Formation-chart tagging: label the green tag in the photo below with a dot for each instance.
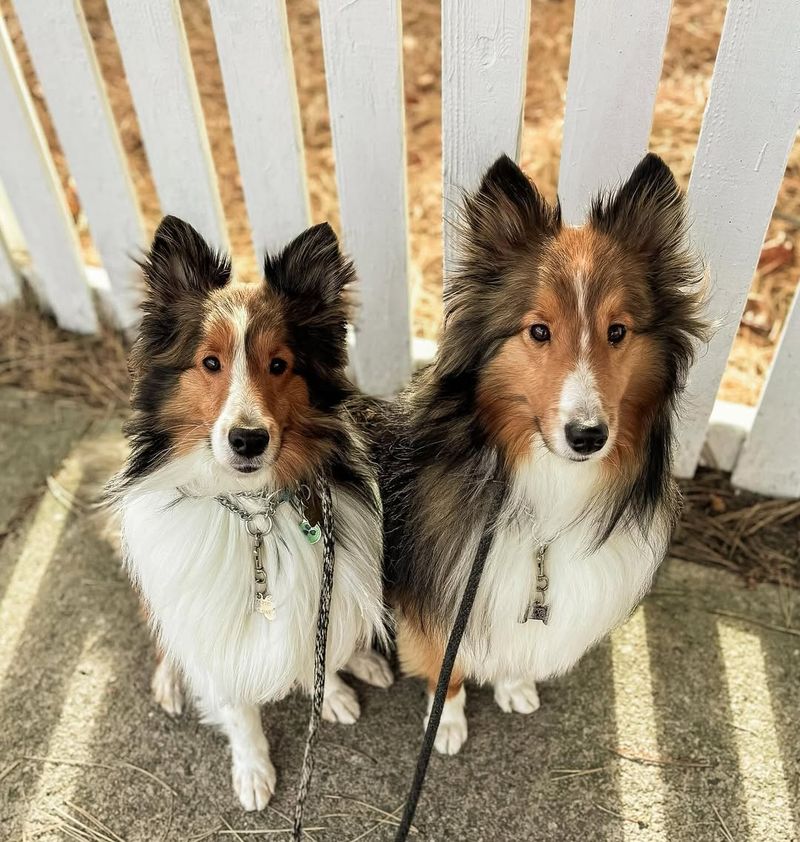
(312, 533)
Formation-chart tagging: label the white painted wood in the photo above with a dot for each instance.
(363, 63)
(614, 69)
(31, 183)
(9, 277)
(484, 57)
(750, 124)
(67, 69)
(257, 69)
(728, 427)
(152, 42)
(770, 459)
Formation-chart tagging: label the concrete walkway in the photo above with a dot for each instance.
(684, 726)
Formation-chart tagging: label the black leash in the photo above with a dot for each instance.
(448, 661)
(321, 643)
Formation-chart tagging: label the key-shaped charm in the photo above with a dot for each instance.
(312, 533)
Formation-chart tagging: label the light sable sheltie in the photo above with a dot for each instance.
(240, 393)
(562, 355)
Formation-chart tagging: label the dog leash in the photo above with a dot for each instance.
(326, 589)
(264, 605)
(460, 625)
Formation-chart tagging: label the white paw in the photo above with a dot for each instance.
(340, 703)
(516, 696)
(167, 689)
(254, 781)
(371, 668)
(452, 734)
(452, 731)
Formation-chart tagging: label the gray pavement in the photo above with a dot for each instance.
(683, 726)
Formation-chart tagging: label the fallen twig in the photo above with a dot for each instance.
(754, 621)
(725, 832)
(661, 761)
(122, 764)
(619, 815)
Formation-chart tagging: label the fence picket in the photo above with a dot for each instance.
(750, 124)
(30, 180)
(256, 61)
(484, 57)
(152, 42)
(614, 69)
(769, 462)
(364, 73)
(76, 98)
(9, 278)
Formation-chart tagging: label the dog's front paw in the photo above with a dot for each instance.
(452, 731)
(254, 781)
(340, 703)
(451, 736)
(516, 696)
(371, 668)
(167, 688)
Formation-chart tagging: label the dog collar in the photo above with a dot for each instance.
(258, 519)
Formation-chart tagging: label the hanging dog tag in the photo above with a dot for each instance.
(536, 611)
(265, 606)
(312, 533)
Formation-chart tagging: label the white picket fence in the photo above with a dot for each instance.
(750, 123)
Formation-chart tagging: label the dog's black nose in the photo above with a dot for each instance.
(248, 441)
(586, 439)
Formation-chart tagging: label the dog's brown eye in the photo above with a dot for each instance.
(277, 366)
(540, 333)
(616, 333)
(212, 363)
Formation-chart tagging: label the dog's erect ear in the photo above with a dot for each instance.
(311, 266)
(647, 213)
(507, 212)
(180, 262)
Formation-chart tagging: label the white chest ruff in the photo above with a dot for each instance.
(589, 593)
(193, 564)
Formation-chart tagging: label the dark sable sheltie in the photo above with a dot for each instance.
(563, 352)
(239, 392)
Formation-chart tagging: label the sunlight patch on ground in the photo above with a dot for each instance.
(641, 787)
(766, 795)
(73, 736)
(44, 532)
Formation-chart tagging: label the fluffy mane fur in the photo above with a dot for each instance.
(439, 456)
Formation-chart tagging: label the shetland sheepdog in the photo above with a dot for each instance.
(562, 356)
(240, 397)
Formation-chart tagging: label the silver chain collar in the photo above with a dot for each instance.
(537, 608)
(259, 522)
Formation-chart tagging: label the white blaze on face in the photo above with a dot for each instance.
(241, 408)
(580, 400)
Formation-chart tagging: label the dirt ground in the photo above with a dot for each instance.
(691, 48)
(682, 727)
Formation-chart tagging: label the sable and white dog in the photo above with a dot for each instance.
(563, 352)
(240, 389)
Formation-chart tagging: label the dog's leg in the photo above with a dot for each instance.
(252, 771)
(167, 686)
(421, 654)
(340, 703)
(370, 667)
(517, 695)
(452, 733)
